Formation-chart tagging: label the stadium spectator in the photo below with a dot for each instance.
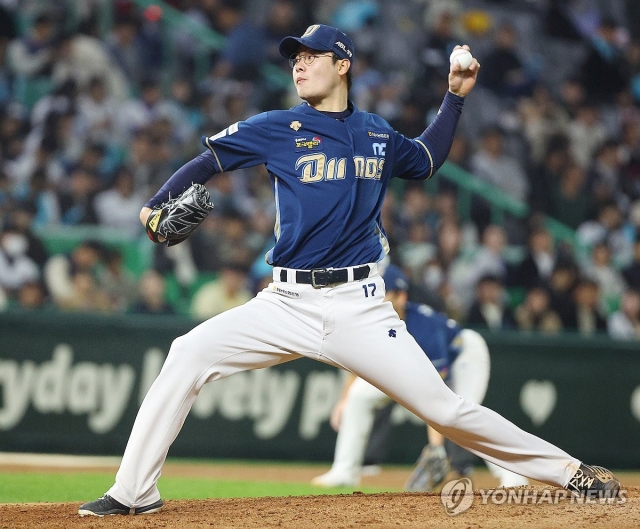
(603, 71)
(416, 250)
(587, 317)
(244, 48)
(16, 267)
(630, 154)
(543, 176)
(624, 324)
(117, 207)
(539, 261)
(33, 55)
(138, 113)
(116, 281)
(445, 273)
(151, 295)
(97, 112)
(229, 290)
(570, 201)
(535, 313)
(150, 163)
(489, 258)
(604, 177)
(81, 58)
(77, 202)
(631, 273)
(58, 271)
(507, 75)
(542, 118)
(562, 283)
(601, 270)
(32, 296)
(493, 165)
(609, 227)
(122, 46)
(586, 134)
(85, 295)
(489, 308)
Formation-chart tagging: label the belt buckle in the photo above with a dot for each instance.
(315, 284)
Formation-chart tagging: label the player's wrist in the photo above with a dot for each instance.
(144, 215)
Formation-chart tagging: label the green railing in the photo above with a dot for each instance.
(499, 202)
(137, 253)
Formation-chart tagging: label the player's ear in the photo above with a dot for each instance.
(344, 66)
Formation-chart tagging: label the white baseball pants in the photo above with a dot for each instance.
(469, 379)
(348, 326)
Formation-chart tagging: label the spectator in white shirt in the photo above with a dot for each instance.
(119, 206)
(625, 323)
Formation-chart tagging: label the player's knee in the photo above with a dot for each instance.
(179, 349)
(448, 415)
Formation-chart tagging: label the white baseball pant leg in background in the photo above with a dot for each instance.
(358, 415)
(470, 378)
(347, 325)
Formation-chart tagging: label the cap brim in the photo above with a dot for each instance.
(289, 46)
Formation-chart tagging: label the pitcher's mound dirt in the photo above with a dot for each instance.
(390, 510)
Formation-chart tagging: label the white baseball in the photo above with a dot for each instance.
(463, 57)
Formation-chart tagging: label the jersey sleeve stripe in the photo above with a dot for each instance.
(429, 155)
(216, 156)
(276, 228)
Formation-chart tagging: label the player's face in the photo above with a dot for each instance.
(318, 80)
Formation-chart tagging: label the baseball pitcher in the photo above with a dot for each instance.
(330, 165)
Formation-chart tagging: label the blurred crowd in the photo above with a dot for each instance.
(102, 100)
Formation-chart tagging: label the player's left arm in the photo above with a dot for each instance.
(421, 157)
(243, 144)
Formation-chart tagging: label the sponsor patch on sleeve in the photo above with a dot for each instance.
(378, 135)
(308, 143)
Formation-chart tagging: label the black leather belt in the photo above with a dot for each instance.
(327, 276)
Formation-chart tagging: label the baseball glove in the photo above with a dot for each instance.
(177, 218)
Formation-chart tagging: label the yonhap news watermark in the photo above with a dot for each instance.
(458, 496)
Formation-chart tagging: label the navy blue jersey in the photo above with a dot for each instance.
(437, 335)
(338, 170)
(329, 176)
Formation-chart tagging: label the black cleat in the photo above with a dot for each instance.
(107, 506)
(594, 482)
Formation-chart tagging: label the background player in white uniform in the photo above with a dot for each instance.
(330, 166)
(461, 357)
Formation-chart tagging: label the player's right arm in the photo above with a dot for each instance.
(421, 157)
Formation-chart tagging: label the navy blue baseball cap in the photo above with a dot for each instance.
(320, 38)
(395, 279)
